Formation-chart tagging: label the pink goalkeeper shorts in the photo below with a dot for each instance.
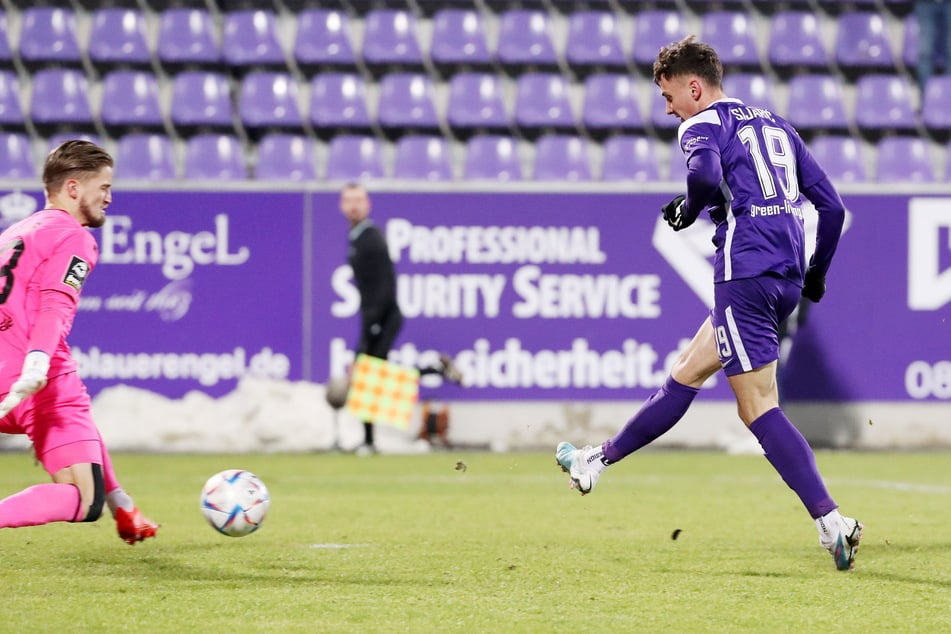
(58, 419)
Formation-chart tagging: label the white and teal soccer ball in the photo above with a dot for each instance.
(235, 502)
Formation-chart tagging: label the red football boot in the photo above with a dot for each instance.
(133, 526)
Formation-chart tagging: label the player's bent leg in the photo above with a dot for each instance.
(756, 392)
(41, 504)
(87, 478)
(131, 524)
(698, 362)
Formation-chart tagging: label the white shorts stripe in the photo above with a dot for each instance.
(737, 342)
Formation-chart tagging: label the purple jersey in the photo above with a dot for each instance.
(758, 211)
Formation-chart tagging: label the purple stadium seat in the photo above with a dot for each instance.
(423, 157)
(60, 97)
(5, 54)
(406, 102)
(840, 157)
(542, 103)
(491, 157)
(524, 40)
(214, 157)
(286, 157)
(561, 157)
(145, 156)
(610, 104)
(653, 30)
(903, 159)
(323, 40)
(48, 36)
(130, 99)
(593, 40)
(187, 37)
(250, 40)
(795, 42)
(861, 43)
(630, 158)
(731, 33)
(475, 102)
(909, 43)
(753, 89)
(338, 101)
(459, 39)
(935, 112)
(118, 38)
(16, 156)
(62, 137)
(201, 99)
(11, 113)
(269, 100)
(389, 39)
(354, 157)
(883, 104)
(816, 103)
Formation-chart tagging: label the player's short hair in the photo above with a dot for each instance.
(73, 159)
(353, 185)
(689, 57)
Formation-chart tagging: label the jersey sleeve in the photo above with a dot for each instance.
(809, 170)
(700, 132)
(69, 265)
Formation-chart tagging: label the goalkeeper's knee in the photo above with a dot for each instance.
(98, 497)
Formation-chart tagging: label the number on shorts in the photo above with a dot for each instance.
(723, 343)
(10, 252)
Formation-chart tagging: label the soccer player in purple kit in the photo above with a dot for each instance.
(749, 169)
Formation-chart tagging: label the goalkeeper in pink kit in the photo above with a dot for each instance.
(44, 261)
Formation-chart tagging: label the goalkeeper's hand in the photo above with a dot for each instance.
(32, 379)
(674, 213)
(814, 285)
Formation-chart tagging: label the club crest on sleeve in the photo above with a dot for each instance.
(76, 273)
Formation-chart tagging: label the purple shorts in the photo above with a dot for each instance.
(746, 316)
(58, 419)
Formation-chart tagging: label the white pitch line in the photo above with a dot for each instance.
(896, 486)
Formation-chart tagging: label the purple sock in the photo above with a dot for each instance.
(792, 457)
(662, 410)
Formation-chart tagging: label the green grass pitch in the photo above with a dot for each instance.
(413, 544)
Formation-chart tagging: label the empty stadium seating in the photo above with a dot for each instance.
(424, 90)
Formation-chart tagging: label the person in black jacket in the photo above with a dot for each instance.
(375, 277)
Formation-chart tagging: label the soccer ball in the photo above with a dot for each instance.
(235, 502)
(336, 392)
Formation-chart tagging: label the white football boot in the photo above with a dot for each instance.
(583, 466)
(840, 536)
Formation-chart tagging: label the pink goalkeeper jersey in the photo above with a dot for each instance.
(49, 250)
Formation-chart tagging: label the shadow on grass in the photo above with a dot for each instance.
(898, 578)
(180, 567)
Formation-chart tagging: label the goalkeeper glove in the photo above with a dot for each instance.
(674, 213)
(36, 366)
(33, 375)
(814, 285)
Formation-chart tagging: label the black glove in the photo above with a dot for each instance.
(814, 285)
(673, 213)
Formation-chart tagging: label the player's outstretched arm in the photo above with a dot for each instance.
(831, 218)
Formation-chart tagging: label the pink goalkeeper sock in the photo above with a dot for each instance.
(41, 504)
